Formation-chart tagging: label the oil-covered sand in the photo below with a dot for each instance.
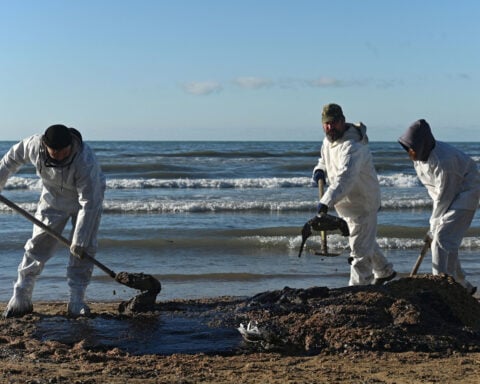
(413, 330)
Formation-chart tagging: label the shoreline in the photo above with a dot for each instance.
(29, 353)
(24, 359)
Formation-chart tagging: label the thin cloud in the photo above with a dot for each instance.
(202, 87)
(322, 82)
(250, 82)
(459, 76)
(253, 83)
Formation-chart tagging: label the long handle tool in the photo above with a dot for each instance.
(426, 246)
(145, 283)
(323, 234)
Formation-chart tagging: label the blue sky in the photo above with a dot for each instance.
(238, 69)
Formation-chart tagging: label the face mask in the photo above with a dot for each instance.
(53, 163)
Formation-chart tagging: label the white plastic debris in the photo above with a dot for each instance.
(251, 333)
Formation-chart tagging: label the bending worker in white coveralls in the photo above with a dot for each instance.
(453, 182)
(73, 189)
(354, 191)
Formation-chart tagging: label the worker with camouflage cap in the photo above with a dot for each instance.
(354, 191)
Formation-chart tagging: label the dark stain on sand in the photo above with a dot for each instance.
(160, 335)
(422, 313)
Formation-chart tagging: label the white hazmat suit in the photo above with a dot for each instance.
(355, 193)
(453, 182)
(72, 190)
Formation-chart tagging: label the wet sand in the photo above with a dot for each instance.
(421, 330)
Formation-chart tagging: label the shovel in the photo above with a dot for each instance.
(423, 252)
(149, 285)
(323, 222)
(323, 235)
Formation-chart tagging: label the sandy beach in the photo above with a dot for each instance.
(407, 346)
(52, 363)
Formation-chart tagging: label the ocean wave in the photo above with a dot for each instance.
(241, 206)
(241, 183)
(219, 206)
(261, 239)
(28, 183)
(399, 180)
(339, 243)
(205, 206)
(21, 183)
(406, 203)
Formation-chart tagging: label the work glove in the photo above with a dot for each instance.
(322, 208)
(78, 251)
(428, 237)
(318, 175)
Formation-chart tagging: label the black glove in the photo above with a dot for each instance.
(78, 251)
(318, 175)
(428, 238)
(322, 208)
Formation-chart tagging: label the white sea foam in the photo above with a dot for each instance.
(204, 206)
(218, 205)
(399, 180)
(169, 206)
(223, 183)
(341, 243)
(17, 182)
(402, 203)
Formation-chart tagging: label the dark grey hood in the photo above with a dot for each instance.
(419, 138)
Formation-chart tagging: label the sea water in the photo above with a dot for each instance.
(223, 218)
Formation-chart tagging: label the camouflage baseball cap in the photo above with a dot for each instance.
(331, 112)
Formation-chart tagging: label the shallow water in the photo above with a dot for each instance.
(215, 218)
(162, 335)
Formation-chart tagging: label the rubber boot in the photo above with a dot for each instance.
(21, 302)
(76, 306)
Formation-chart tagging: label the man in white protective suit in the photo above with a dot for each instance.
(354, 192)
(73, 187)
(453, 182)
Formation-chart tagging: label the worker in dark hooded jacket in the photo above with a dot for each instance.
(453, 182)
(73, 188)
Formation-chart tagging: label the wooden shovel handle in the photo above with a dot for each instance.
(423, 252)
(54, 234)
(323, 234)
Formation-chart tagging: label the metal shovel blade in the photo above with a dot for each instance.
(139, 281)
